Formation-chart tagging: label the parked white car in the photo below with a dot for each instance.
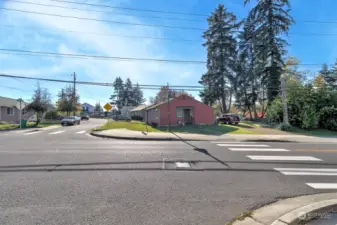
(71, 120)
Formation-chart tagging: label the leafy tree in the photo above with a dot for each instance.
(165, 93)
(221, 46)
(40, 102)
(271, 19)
(98, 107)
(152, 100)
(66, 102)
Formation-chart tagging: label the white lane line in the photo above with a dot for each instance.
(81, 132)
(30, 133)
(308, 174)
(241, 145)
(182, 165)
(57, 132)
(323, 185)
(306, 169)
(260, 149)
(229, 142)
(283, 158)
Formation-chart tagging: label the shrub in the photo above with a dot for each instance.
(286, 127)
(328, 118)
(51, 115)
(309, 117)
(139, 118)
(154, 124)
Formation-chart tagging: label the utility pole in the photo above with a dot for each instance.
(168, 103)
(284, 101)
(20, 100)
(74, 94)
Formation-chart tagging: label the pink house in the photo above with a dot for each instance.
(183, 109)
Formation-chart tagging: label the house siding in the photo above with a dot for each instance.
(13, 118)
(152, 115)
(202, 114)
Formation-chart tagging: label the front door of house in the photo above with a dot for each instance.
(187, 116)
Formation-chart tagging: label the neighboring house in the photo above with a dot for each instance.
(138, 111)
(125, 110)
(259, 115)
(87, 107)
(10, 110)
(183, 109)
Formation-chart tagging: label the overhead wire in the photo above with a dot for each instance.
(101, 20)
(100, 11)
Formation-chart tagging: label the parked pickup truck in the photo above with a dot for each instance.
(229, 118)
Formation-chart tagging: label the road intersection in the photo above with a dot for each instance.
(66, 176)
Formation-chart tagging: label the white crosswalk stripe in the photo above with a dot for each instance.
(307, 171)
(57, 132)
(30, 133)
(81, 132)
(260, 149)
(322, 185)
(282, 158)
(241, 145)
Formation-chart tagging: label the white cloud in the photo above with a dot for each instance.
(102, 70)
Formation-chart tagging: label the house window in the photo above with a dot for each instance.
(10, 111)
(179, 113)
(24, 112)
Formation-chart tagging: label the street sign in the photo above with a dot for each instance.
(107, 107)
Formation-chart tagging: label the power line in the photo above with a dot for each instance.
(100, 11)
(107, 21)
(84, 56)
(13, 88)
(144, 10)
(102, 57)
(103, 34)
(132, 9)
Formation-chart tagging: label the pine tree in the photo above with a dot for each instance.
(221, 57)
(117, 98)
(271, 19)
(330, 76)
(138, 95)
(128, 96)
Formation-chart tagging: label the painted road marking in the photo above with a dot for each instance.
(241, 145)
(315, 150)
(229, 142)
(260, 149)
(81, 132)
(323, 185)
(182, 165)
(57, 132)
(32, 133)
(307, 171)
(283, 158)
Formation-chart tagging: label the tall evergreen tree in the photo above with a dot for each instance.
(117, 98)
(128, 96)
(138, 95)
(221, 57)
(271, 19)
(330, 76)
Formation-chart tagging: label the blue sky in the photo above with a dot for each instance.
(49, 35)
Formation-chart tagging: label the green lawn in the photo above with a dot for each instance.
(193, 129)
(8, 126)
(317, 132)
(251, 124)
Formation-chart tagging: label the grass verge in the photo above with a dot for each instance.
(8, 126)
(192, 129)
(316, 132)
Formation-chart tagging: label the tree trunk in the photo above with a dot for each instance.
(230, 100)
(284, 102)
(223, 100)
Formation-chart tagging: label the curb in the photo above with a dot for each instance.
(149, 139)
(292, 211)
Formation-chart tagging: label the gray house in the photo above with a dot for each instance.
(10, 110)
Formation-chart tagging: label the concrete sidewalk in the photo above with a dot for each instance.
(164, 136)
(292, 211)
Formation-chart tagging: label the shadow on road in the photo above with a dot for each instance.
(202, 150)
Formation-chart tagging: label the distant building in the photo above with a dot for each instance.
(181, 110)
(10, 110)
(138, 111)
(88, 108)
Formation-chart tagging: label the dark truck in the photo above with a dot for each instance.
(229, 118)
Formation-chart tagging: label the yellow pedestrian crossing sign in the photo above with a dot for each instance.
(107, 107)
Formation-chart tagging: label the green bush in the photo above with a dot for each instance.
(275, 111)
(309, 117)
(286, 127)
(328, 118)
(51, 115)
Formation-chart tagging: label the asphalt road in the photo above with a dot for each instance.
(65, 176)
